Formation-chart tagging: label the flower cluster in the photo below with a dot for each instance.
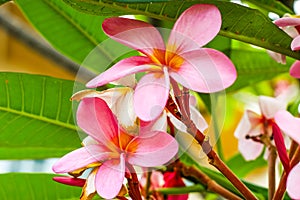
(142, 123)
(126, 126)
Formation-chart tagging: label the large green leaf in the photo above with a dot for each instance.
(239, 22)
(255, 66)
(26, 186)
(36, 119)
(73, 33)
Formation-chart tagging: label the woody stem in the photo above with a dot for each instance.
(213, 158)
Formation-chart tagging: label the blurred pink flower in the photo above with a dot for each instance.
(291, 25)
(182, 59)
(173, 179)
(112, 148)
(253, 125)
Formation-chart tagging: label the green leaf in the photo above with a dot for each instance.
(255, 66)
(239, 22)
(26, 186)
(3, 1)
(270, 6)
(36, 117)
(237, 161)
(73, 33)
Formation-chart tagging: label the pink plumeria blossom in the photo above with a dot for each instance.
(253, 125)
(182, 58)
(290, 125)
(115, 148)
(291, 25)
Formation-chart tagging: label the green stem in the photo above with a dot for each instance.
(182, 190)
(217, 132)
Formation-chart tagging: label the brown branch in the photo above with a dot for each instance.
(211, 154)
(133, 183)
(190, 171)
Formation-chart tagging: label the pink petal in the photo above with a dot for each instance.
(155, 150)
(287, 21)
(295, 45)
(293, 182)
(110, 177)
(121, 69)
(81, 158)
(97, 120)
(151, 95)
(173, 179)
(196, 26)
(250, 149)
(136, 34)
(269, 106)
(289, 124)
(281, 149)
(205, 70)
(295, 69)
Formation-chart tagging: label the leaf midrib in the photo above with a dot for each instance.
(39, 117)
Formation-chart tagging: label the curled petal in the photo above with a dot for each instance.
(133, 33)
(109, 178)
(97, 120)
(289, 124)
(295, 70)
(151, 95)
(269, 106)
(196, 26)
(121, 69)
(70, 181)
(155, 150)
(295, 45)
(205, 70)
(281, 149)
(80, 158)
(287, 21)
(293, 182)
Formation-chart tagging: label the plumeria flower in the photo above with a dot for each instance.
(254, 125)
(119, 98)
(290, 125)
(291, 25)
(112, 149)
(182, 58)
(168, 180)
